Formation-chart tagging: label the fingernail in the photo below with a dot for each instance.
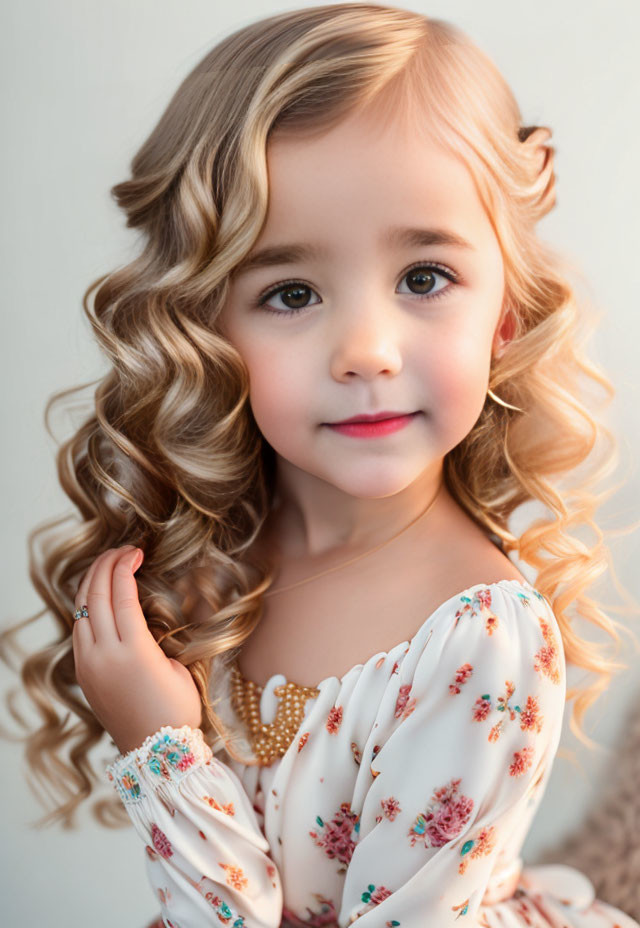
(137, 559)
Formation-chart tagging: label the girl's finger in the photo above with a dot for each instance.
(129, 617)
(81, 595)
(82, 634)
(99, 601)
(82, 637)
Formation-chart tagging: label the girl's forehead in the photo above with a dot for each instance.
(360, 134)
(358, 156)
(355, 175)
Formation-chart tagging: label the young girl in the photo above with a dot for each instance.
(342, 361)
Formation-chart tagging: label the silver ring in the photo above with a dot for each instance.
(81, 613)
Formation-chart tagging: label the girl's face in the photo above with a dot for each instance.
(357, 314)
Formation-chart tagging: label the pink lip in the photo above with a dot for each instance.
(371, 417)
(372, 429)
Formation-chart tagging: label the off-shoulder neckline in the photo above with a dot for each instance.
(508, 583)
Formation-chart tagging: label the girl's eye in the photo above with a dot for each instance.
(294, 293)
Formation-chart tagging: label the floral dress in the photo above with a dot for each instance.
(403, 798)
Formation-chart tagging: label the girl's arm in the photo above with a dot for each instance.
(207, 858)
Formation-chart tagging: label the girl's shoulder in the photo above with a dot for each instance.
(465, 554)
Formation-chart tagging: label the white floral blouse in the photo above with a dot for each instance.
(404, 798)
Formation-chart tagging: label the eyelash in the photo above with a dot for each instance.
(260, 301)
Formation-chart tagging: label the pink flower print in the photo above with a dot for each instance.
(521, 762)
(483, 597)
(502, 707)
(485, 843)
(380, 894)
(530, 718)
(491, 623)
(303, 740)
(169, 753)
(186, 761)
(404, 706)
(213, 899)
(479, 603)
(235, 877)
(160, 842)
(482, 708)
(494, 734)
(337, 837)
(223, 911)
(334, 720)
(390, 809)
(151, 854)
(446, 816)
(547, 657)
(503, 701)
(462, 675)
(375, 894)
(477, 847)
(357, 753)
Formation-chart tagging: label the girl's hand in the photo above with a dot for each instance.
(129, 682)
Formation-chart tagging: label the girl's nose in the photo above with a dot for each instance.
(366, 344)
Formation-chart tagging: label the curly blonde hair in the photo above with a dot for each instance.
(169, 457)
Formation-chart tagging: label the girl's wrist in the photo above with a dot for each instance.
(129, 734)
(166, 756)
(131, 741)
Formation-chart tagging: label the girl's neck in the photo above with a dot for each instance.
(281, 542)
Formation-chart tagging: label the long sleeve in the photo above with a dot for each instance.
(469, 740)
(207, 859)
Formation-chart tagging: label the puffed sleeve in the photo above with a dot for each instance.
(207, 859)
(476, 723)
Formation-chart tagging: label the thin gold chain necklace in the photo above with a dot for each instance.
(359, 556)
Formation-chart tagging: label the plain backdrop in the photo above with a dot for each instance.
(83, 84)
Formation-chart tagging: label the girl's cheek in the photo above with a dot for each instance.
(277, 402)
(456, 379)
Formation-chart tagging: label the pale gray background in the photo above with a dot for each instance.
(83, 83)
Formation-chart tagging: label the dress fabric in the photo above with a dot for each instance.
(403, 799)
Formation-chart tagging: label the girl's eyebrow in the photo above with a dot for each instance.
(396, 236)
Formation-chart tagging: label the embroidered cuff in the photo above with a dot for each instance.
(168, 754)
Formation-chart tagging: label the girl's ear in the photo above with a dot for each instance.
(504, 332)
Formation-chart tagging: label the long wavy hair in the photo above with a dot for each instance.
(169, 457)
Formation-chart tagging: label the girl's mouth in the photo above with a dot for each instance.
(374, 429)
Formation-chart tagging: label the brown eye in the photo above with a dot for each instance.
(422, 281)
(294, 295)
